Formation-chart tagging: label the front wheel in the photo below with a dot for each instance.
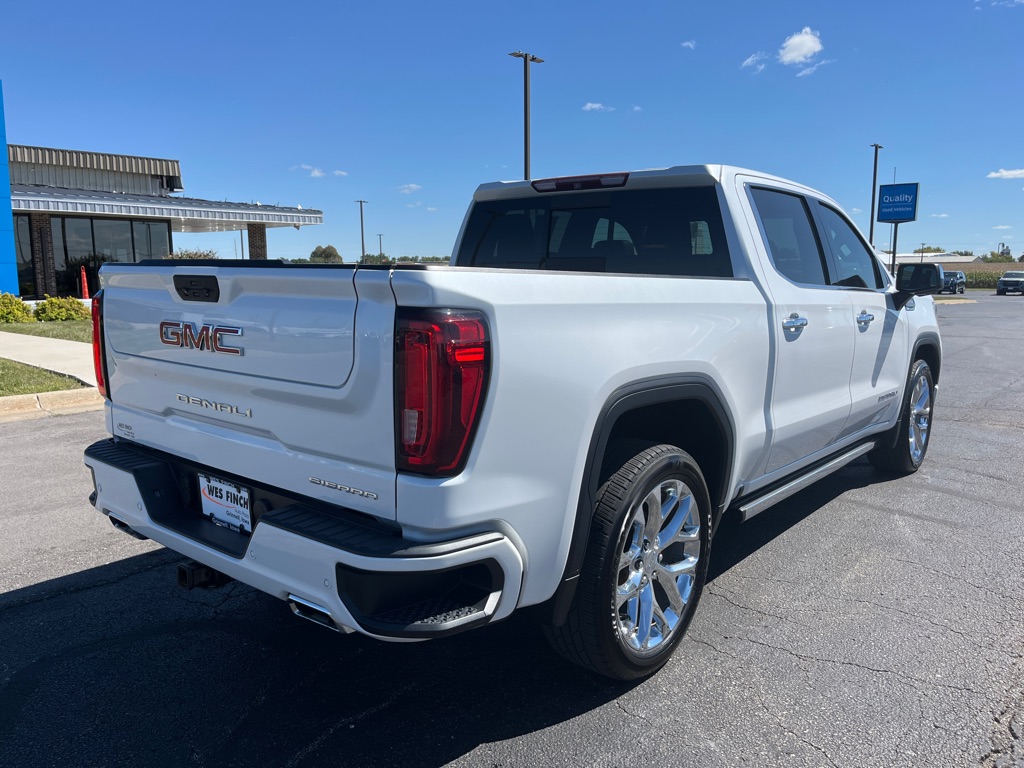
(644, 569)
(902, 449)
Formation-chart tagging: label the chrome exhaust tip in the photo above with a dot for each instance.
(312, 612)
(121, 525)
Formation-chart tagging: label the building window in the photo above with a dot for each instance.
(23, 249)
(152, 239)
(79, 242)
(113, 239)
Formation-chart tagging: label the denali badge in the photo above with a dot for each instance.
(343, 488)
(208, 337)
(222, 407)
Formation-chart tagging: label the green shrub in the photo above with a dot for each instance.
(982, 279)
(62, 308)
(14, 310)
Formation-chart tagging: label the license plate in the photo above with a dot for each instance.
(225, 504)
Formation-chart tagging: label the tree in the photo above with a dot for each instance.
(375, 258)
(325, 255)
(995, 257)
(930, 249)
(193, 253)
(969, 254)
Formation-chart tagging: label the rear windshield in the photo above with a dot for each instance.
(646, 232)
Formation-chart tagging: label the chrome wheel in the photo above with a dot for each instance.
(659, 549)
(920, 418)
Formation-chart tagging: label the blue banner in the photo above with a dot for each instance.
(897, 203)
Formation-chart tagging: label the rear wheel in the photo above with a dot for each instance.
(644, 569)
(903, 448)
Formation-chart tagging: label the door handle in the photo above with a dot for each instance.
(864, 318)
(794, 322)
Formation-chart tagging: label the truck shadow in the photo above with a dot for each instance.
(736, 540)
(117, 661)
(121, 662)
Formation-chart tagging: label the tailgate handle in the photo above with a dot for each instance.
(197, 287)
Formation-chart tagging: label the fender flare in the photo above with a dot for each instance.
(638, 394)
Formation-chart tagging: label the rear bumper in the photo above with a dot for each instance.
(364, 576)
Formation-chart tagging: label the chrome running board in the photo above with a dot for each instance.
(761, 503)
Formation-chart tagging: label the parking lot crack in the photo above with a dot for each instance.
(961, 580)
(909, 680)
(786, 729)
(724, 595)
(632, 715)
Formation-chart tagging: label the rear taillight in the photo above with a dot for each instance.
(442, 361)
(99, 362)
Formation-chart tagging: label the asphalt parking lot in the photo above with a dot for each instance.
(864, 622)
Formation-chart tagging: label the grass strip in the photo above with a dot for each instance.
(21, 379)
(70, 330)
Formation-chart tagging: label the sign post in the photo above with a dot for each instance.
(897, 204)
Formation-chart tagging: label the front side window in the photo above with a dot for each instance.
(647, 232)
(855, 266)
(792, 241)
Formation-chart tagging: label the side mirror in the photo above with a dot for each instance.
(917, 280)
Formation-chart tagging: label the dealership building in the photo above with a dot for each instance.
(63, 209)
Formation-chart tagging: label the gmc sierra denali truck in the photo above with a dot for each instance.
(558, 418)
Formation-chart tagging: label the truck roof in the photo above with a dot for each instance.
(649, 178)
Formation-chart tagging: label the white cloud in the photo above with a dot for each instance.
(417, 204)
(638, 109)
(755, 60)
(340, 173)
(408, 189)
(691, 44)
(1003, 226)
(591, 106)
(856, 210)
(800, 47)
(316, 173)
(811, 69)
(1002, 173)
(940, 215)
(431, 210)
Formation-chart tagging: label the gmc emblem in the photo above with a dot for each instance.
(207, 337)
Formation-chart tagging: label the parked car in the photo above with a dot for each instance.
(1010, 282)
(954, 282)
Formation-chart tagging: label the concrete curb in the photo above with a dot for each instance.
(23, 407)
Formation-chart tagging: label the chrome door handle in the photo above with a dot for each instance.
(864, 318)
(794, 322)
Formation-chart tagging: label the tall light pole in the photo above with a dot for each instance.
(362, 231)
(527, 59)
(380, 243)
(874, 191)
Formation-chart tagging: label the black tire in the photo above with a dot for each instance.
(902, 449)
(961, 289)
(636, 597)
(1000, 293)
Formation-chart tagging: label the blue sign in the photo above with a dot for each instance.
(8, 262)
(897, 203)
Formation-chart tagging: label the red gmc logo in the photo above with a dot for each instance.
(207, 337)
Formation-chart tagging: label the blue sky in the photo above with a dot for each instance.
(411, 105)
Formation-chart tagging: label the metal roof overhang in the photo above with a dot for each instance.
(185, 214)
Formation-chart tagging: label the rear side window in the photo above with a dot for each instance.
(646, 232)
(792, 242)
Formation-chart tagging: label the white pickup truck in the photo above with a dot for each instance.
(559, 418)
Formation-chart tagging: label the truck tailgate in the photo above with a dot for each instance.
(281, 374)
